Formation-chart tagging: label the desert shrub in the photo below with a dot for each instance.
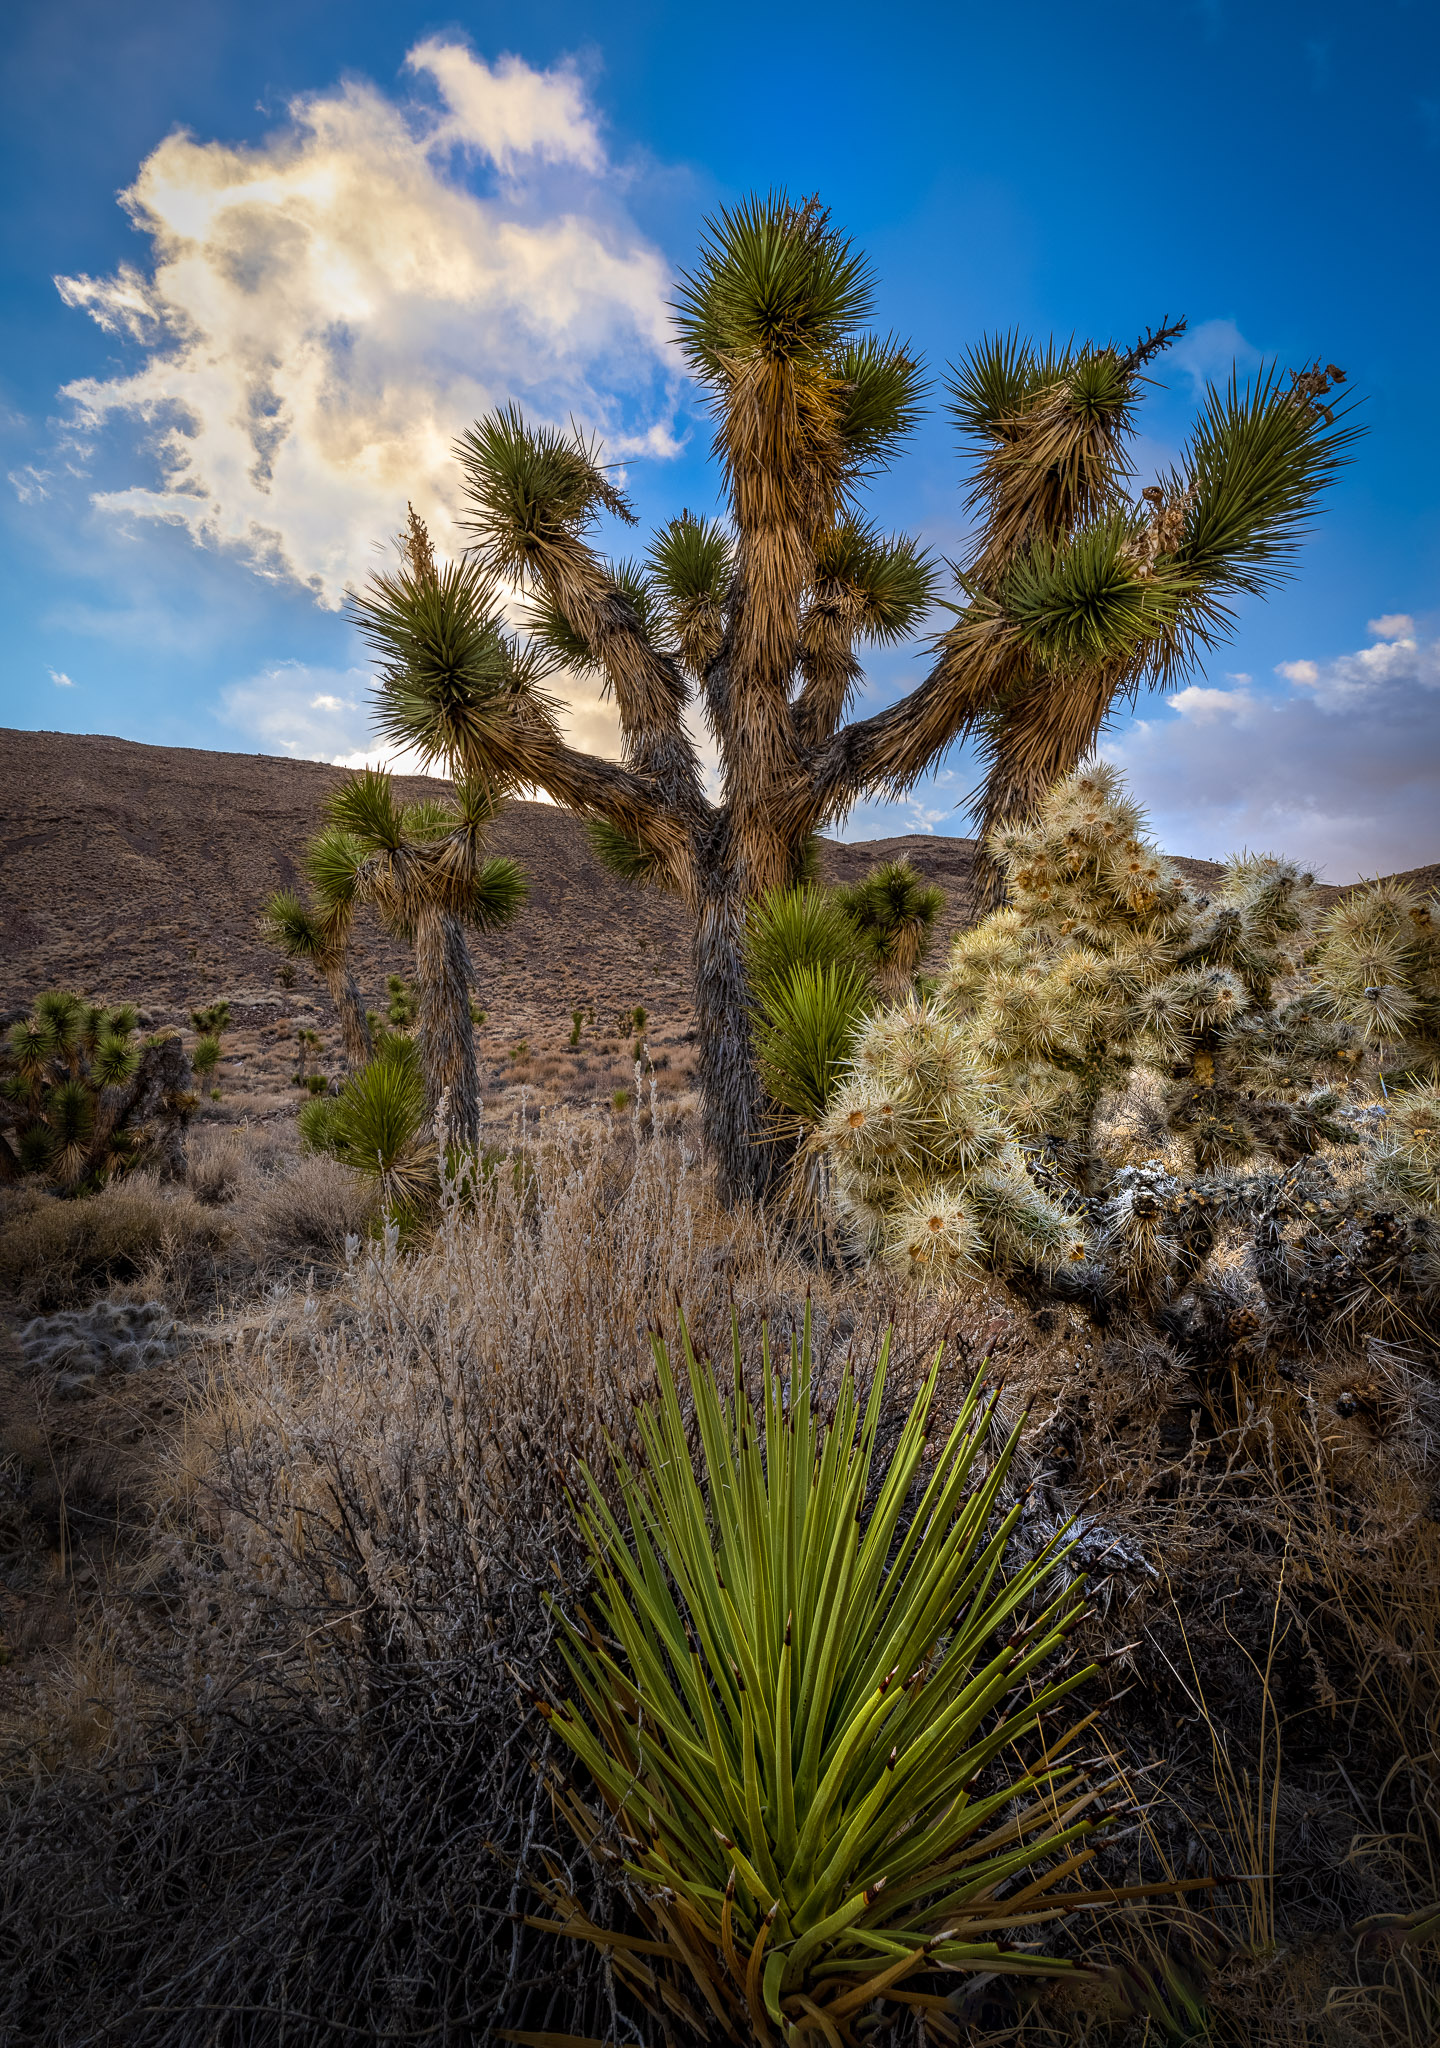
(792, 1706)
(217, 1166)
(81, 1100)
(342, 1804)
(56, 1254)
(309, 1212)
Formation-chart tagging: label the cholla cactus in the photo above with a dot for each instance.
(964, 1135)
(1408, 1164)
(1379, 960)
(926, 1169)
(1107, 959)
(83, 1100)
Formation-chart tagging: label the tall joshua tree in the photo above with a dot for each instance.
(1071, 596)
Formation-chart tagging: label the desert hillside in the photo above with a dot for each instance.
(132, 872)
(129, 870)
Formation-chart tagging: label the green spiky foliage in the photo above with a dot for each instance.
(212, 1021)
(808, 1696)
(81, 1099)
(205, 1057)
(404, 1004)
(894, 910)
(379, 1126)
(810, 1017)
(1379, 960)
(811, 989)
(1074, 594)
(804, 927)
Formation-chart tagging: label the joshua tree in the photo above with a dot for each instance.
(423, 867)
(894, 911)
(83, 1100)
(322, 937)
(1072, 593)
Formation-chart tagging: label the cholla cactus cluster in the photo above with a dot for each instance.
(927, 1171)
(964, 1134)
(1379, 960)
(83, 1099)
(1107, 959)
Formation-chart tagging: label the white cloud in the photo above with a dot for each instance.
(1341, 769)
(510, 112)
(1394, 626)
(321, 314)
(61, 680)
(29, 483)
(311, 714)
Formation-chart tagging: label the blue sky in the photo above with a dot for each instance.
(351, 227)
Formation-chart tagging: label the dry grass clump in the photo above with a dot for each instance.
(56, 1254)
(248, 1212)
(346, 1611)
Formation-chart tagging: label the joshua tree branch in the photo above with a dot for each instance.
(630, 802)
(981, 658)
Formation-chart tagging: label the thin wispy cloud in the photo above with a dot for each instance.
(320, 315)
(61, 680)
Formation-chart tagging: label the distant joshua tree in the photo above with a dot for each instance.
(893, 909)
(1072, 595)
(423, 867)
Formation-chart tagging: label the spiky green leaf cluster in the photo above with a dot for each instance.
(811, 1702)
(888, 583)
(452, 685)
(377, 1126)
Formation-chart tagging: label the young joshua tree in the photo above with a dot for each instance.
(893, 909)
(424, 869)
(321, 936)
(1072, 594)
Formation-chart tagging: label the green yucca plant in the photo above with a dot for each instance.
(826, 1739)
(376, 1125)
(809, 1020)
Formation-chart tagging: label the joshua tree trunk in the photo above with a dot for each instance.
(446, 1034)
(731, 1092)
(354, 1028)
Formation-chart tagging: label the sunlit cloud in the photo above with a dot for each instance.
(319, 315)
(61, 680)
